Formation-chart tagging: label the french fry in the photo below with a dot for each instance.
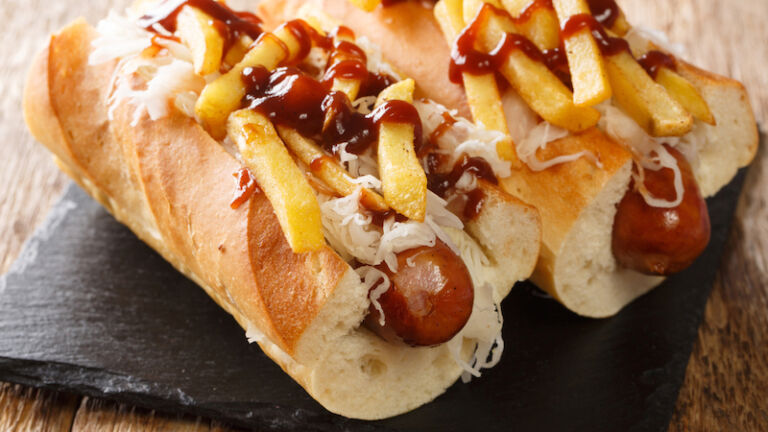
(686, 94)
(482, 91)
(470, 8)
(647, 102)
(542, 28)
(366, 5)
(222, 96)
(679, 88)
(318, 19)
(350, 87)
(292, 198)
(237, 50)
(537, 85)
(196, 31)
(329, 171)
(401, 90)
(403, 180)
(621, 26)
(588, 73)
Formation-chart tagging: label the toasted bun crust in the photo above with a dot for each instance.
(577, 200)
(171, 183)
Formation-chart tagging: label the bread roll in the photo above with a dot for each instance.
(172, 184)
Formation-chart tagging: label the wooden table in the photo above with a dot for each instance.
(726, 382)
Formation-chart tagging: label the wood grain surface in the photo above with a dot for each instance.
(726, 382)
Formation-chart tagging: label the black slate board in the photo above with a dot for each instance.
(89, 308)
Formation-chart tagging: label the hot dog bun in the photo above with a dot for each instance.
(171, 184)
(577, 200)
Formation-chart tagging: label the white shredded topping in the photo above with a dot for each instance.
(360, 165)
(151, 85)
(119, 37)
(352, 233)
(371, 276)
(660, 159)
(376, 62)
(317, 58)
(543, 134)
(483, 329)
(368, 181)
(519, 116)
(467, 182)
(167, 81)
(365, 104)
(649, 151)
(463, 137)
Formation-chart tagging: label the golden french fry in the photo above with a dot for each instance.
(401, 90)
(647, 102)
(403, 180)
(686, 94)
(366, 5)
(328, 169)
(292, 198)
(678, 87)
(222, 96)
(538, 86)
(450, 17)
(621, 26)
(196, 30)
(350, 87)
(588, 74)
(470, 8)
(482, 91)
(318, 19)
(237, 50)
(542, 28)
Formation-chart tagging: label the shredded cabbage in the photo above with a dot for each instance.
(371, 276)
(376, 62)
(483, 330)
(463, 137)
(119, 37)
(649, 151)
(353, 234)
(151, 84)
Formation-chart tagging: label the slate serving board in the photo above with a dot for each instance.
(89, 308)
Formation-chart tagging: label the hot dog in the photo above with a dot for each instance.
(594, 259)
(142, 129)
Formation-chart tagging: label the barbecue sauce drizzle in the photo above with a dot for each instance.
(652, 61)
(230, 24)
(290, 97)
(246, 187)
(465, 58)
(605, 11)
(608, 45)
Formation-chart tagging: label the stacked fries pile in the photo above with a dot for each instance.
(664, 105)
(278, 156)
